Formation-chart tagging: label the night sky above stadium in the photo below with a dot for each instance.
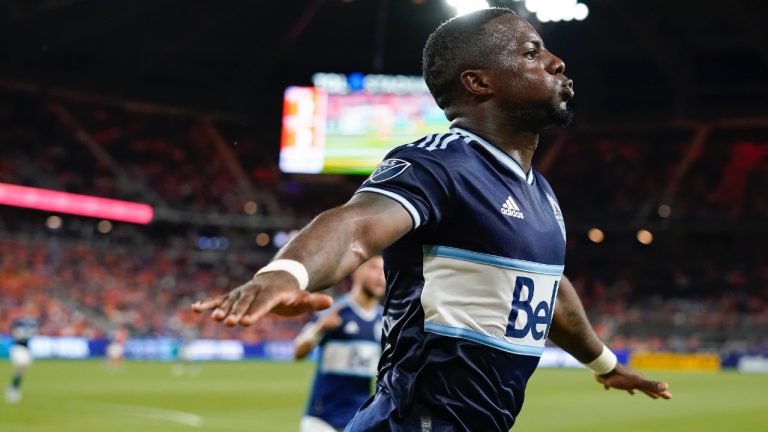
(628, 58)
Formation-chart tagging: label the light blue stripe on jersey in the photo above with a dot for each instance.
(424, 141)
(480, 338)
(410, 208)
(494, 260)
(452, 138)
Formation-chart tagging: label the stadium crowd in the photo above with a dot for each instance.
(88, 288)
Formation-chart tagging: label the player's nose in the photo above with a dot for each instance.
(556, 65)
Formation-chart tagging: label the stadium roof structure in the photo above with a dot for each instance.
(682, 58)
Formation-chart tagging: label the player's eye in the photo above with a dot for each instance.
(530, 55)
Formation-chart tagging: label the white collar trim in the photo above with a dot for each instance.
(502, 157)
(367, 315)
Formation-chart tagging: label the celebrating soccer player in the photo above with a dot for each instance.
(473, 242)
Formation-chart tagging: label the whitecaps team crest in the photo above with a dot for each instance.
(389, 169)
(558, 214)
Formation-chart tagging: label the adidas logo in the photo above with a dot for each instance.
(351, 328)
(509, 208)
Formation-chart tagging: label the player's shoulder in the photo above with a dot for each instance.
(20, 322)
(340, 307)
(434, 147)
(436, 153)
(346, 310)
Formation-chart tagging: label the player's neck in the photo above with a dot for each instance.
(519, 144)
(364, 300)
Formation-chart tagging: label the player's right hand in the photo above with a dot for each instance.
(625, 378)
(330, 321)
(275, 292)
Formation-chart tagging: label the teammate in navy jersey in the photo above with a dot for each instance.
(349, 341)
(473, 241)
(22, 330)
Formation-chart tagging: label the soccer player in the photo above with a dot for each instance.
(473, 242)
(184, 362)
(115, 355)
(349, 337)
(22, 330)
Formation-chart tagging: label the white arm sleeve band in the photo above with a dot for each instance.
(295, 268)
(604, 363)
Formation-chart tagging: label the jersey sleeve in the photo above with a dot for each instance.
(417, 179)
(309, 328)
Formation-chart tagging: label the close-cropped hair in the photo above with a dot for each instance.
(459, 44)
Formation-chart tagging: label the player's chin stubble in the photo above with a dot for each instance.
(538, 118)
(559, 115)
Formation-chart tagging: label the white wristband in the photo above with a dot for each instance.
(295, 268)
(604, 363)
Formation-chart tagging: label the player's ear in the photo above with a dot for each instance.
(476, 82)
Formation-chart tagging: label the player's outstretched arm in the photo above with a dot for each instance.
(310, 336)
(572, 332)
(330, 247)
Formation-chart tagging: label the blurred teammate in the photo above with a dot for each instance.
(184, 362)
(349, 339)
(115, 360)
(473, 240)
(22, 330)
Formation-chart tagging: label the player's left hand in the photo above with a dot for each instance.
(625, 378)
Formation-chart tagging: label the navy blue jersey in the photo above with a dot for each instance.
(471, 289)
(347, 359)
(22, 330)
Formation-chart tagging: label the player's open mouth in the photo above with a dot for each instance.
(567, 93)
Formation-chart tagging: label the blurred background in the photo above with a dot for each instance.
(218, 129)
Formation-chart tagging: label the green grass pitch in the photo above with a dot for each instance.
(269, 397)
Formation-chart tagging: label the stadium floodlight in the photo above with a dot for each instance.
(645, 237)
(557, 10)
(250, 208)
(104, 226)
(580, 12)
(53, 222)
(596, 235)
(262, 239)
(281, 238)
(466, 6)
(665, 210)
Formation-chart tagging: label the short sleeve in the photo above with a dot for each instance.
(417, 179)
(309, 325)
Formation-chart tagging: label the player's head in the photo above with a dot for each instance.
(30, 310)
(494, 56)
(369, 278)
